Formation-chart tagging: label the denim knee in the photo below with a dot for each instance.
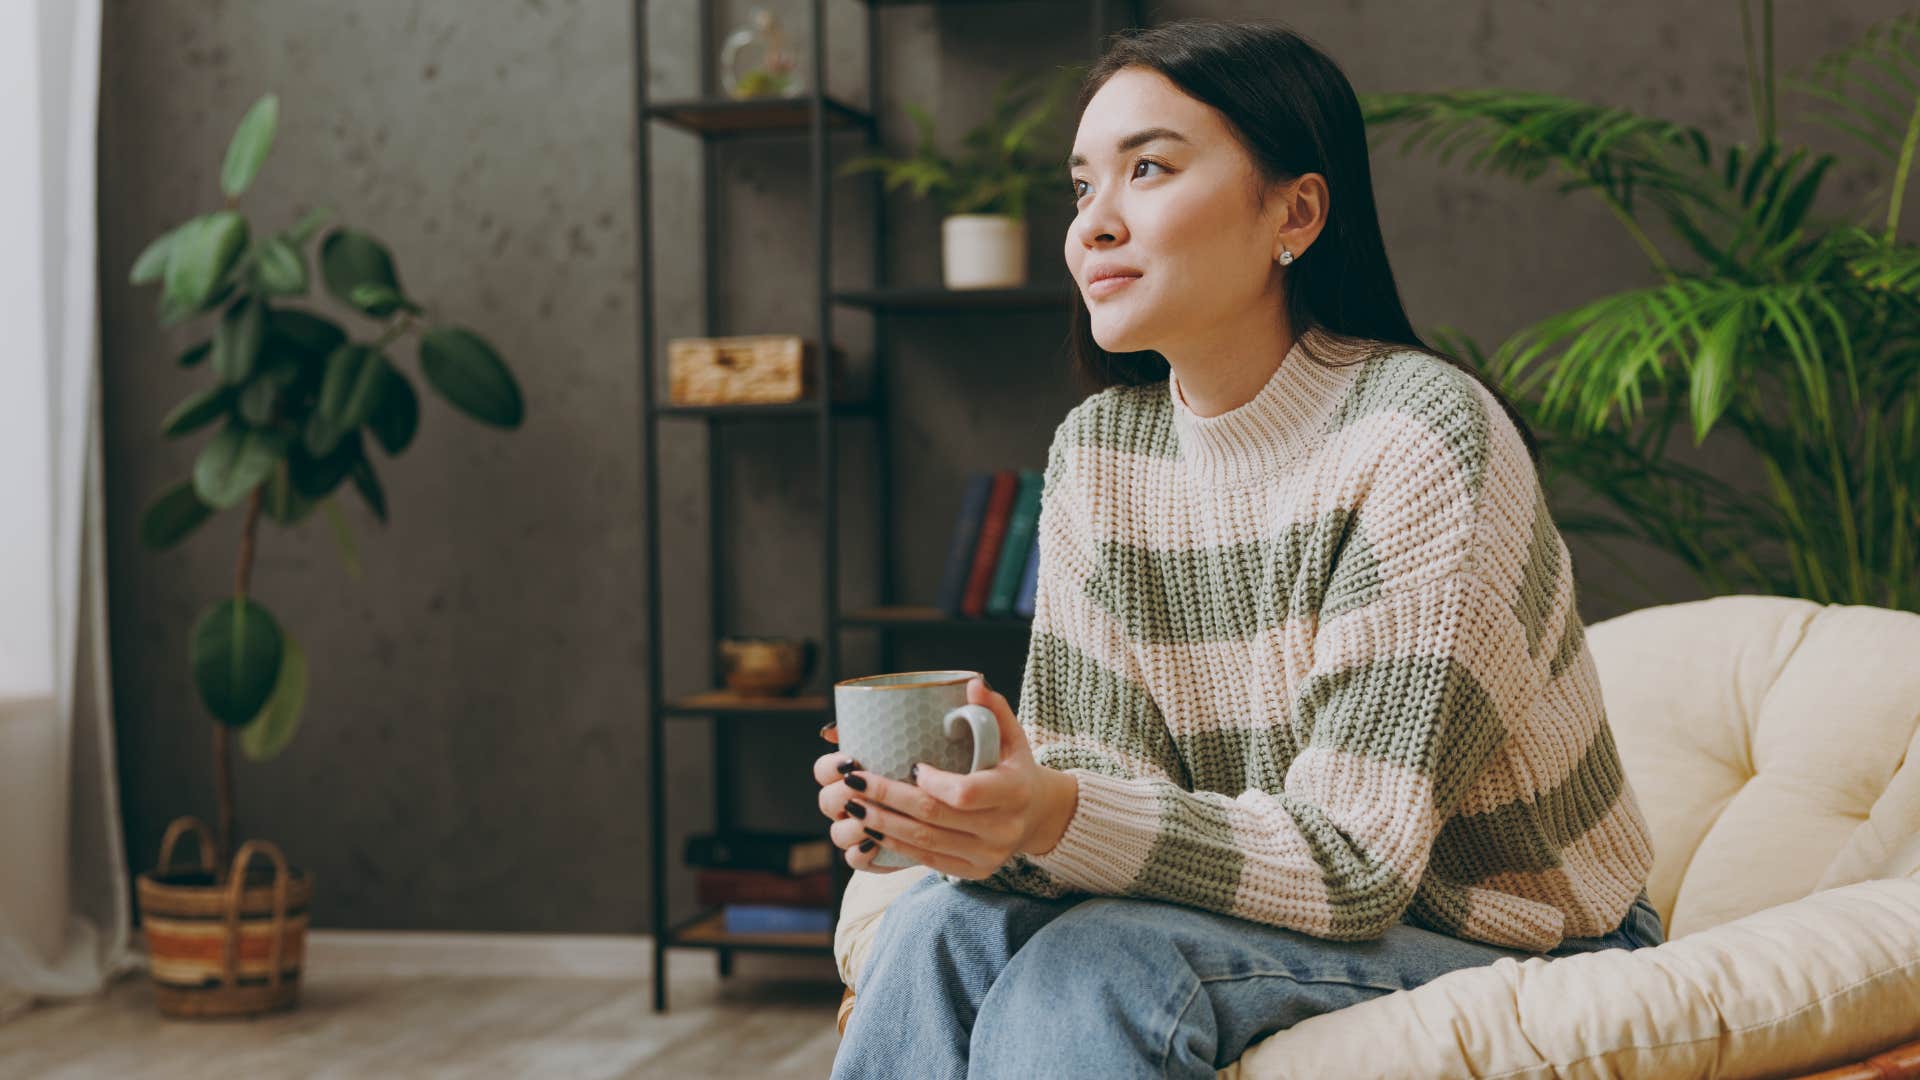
(938, 927)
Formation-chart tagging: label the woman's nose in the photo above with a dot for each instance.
(1097, 222)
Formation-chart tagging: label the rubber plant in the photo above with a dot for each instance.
(1795, 331)
(293, 402)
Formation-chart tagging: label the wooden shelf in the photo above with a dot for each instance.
(906, 617)
(726, 701)
(770, 116)
(709, 931)
(783, 410)
(934, 299)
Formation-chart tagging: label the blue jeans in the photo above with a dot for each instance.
(962, 980)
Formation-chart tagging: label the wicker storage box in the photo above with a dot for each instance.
(754, 369)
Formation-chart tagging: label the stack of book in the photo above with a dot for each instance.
(993, 560)
(765, 882)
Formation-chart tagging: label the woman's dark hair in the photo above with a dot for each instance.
(1293, 110)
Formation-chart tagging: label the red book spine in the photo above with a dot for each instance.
(726, 886)
(993, 531)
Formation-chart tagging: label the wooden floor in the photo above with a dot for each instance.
(771, 1018)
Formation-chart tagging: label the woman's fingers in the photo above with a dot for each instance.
(830, 767)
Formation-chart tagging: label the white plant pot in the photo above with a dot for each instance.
(983, 251)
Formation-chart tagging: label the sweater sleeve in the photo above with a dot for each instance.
(1415, 658)
(1082, 704)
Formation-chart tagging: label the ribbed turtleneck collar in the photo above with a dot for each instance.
(1267, 433)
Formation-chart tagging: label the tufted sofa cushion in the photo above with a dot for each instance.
(1769, 742)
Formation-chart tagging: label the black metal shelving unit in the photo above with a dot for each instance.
(818, 117)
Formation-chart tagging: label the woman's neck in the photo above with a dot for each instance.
(1217, 378)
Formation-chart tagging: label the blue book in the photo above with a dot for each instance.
(1021, 526)
(776, 919)
(1023, 602)
(966, 531)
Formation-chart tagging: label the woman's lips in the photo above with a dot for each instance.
(1111, 284)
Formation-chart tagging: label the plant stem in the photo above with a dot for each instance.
(1895, 198)
(395, 329)
(222, 735)
(1640, 237)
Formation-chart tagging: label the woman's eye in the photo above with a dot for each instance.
(1075, 184)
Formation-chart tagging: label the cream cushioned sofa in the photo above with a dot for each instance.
(1772, 744)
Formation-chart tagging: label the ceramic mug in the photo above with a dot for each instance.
(888, 723)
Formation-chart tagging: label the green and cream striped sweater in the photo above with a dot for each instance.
(1316, 663)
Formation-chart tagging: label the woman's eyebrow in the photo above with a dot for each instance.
(1137, 139)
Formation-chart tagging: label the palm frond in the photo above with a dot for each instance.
(1524, 135)
(1715, 333)
(1871, 87)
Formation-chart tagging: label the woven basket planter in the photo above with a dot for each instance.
(224, 945)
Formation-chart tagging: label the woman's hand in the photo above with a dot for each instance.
(964, 824)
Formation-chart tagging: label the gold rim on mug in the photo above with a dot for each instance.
(854, 684)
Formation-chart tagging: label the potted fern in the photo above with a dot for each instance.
(1791, 331)
(296, 405)
(983, 191)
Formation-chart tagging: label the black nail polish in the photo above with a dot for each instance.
(875, 835)
(847, 766)
(856, 810)
(913, 774)
(866, 845)
(857, 783)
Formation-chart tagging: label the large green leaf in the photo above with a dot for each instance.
(280, 268)
(197, 411)
(315, 477)
(303, 231)
(273, 729)
(314, 336)
(396, 415)
(249, 146)
(235, 462)
(282, 502)
(368, 482)
(203, 253)
(349, 259)
(350, 387)
(469, 374)
(261, 398)
(151, 266)
(236, 341)
(235, 652)
(173, 516)
(195, 354)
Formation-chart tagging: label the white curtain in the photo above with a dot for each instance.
(64, 904)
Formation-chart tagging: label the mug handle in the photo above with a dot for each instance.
(986, 733)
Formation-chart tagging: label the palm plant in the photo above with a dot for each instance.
(1796, 333)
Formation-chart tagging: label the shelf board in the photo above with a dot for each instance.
(783, 410)
(899, 617)
(931, 299)
(777, 116)
(708, 930)
(726, 701)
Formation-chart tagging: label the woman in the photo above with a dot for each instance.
(1309, 715)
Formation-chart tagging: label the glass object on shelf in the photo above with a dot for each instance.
(756, 63)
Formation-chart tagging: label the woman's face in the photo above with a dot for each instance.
(1177, 209)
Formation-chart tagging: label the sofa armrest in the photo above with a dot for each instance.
(861, 905)
(1829, 978)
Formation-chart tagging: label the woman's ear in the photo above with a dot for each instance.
(1304, 214)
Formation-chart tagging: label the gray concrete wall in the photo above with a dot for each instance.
(474, 750)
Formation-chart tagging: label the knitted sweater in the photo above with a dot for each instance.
(1316, 663)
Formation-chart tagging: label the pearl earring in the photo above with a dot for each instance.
(1285, 255)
